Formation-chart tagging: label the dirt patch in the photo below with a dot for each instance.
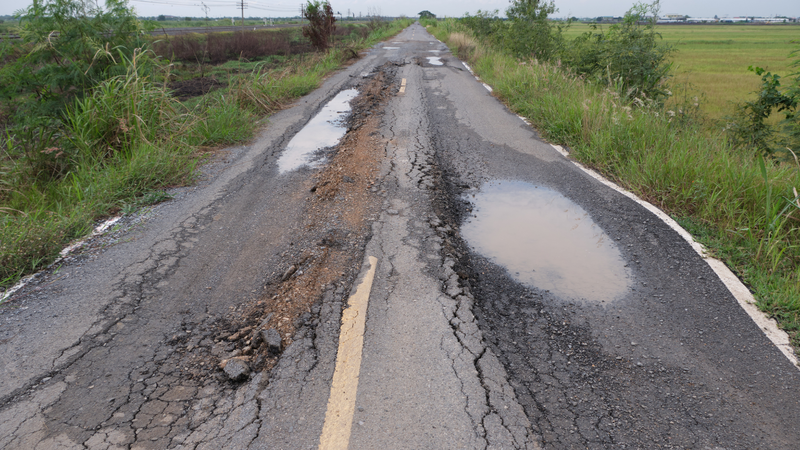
(340, 207)
(193, 88)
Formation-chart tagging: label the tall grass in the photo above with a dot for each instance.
(744, 209)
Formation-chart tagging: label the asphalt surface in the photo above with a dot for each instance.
(123, 345)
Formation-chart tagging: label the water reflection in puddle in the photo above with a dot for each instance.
(435, 60)
(546, 241)
(324, 130)
(391, 48)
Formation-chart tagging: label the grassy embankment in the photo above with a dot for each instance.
(714, 58)
(728, 201)
(128, 139)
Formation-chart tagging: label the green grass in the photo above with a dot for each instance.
(127, 142)
(715, 58)
(737, 205)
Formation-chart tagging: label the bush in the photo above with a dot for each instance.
(321, 23)
(530, 33)
(628, 56)
(526, 34)
(750, 127)
(89, 42)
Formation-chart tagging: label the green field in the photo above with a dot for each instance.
(714, 58)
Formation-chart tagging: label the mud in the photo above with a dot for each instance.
(342, 202)
(185, 90)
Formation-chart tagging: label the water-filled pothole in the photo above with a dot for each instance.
(546, 241)
(435, 60)
(324, 130)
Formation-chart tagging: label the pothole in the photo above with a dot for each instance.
(434, 60)
(325, 130)
(546, 241)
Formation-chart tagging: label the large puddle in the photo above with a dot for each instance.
(546, 241)
(435, 60)
(323, 131)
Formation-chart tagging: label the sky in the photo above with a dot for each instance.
(449, 8)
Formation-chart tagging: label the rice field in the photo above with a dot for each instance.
(714, 58)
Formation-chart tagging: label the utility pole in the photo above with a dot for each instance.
(242, 5)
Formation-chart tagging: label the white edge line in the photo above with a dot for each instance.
(743, 295)
(100, 229)
(488, 88)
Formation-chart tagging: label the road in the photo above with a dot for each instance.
(442, 278)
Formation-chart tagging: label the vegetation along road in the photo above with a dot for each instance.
(436, 276)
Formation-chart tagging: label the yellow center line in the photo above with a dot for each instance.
(342, 401)
(402, 86)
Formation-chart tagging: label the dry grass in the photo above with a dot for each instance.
(465, 46)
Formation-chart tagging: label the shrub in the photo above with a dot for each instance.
(628, 56)
(751, 128)
(321, 23)
(72, 45)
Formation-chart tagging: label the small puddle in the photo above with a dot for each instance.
(391, 48)
(323, 131)
(546, 241)
(435, 60)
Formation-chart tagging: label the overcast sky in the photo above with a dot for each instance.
(451, 8)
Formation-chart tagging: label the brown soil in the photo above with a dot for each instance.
(192, 88)
(330, 249)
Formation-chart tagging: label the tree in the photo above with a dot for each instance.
(530, 33)
(321, 23)
(530, 10)
(426, 15)
(161, 18)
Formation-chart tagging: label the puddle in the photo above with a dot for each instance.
(324, 130)
(391, 48)
(434, 51)
(546, 241)
(435, 60)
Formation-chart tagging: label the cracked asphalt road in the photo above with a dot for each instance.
(120, 347)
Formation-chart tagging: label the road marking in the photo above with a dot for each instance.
(402, 86)
(342, 401)
(739, 291)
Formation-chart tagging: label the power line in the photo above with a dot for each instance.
(230, 4)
